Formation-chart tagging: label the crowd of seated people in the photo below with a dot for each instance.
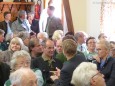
(60, 60)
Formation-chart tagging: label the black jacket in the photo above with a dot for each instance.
(35, 26)
(108, 70)
(3, 26)
(46, 68)
(67, 70)
(4, 73)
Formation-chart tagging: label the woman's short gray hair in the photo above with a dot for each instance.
(18, 41)
(83, 74)
(23, 35)
(44, 34)
(19, 54)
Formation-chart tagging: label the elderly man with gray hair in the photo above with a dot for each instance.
(86, 74)
(21, 24)
(23, 77)
(42, 36)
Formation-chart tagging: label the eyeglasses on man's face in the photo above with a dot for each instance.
(98, 74)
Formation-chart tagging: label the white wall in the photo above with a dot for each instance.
(93, 17)
(78, 10)
(86, 16)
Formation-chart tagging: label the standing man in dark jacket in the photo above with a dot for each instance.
(53, 23)
(63, 77)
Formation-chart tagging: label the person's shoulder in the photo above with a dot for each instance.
(58, 62)
(56, 18)
(35, 62)
(5, 66)
(7, 83)
(2, 22)
(56, 59)
(80, 57)
(16, 21)
(38, 59)
(79, 52)
(68, 66)
(6, 51)
(111, 60)
(36, 69)
(35, 20)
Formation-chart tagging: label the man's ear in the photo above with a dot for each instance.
(92, 82)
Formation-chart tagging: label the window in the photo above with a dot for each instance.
(108, 18)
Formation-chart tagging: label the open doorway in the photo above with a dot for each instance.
(59, 12)
(58, 7)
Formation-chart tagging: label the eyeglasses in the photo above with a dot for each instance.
(98, 73)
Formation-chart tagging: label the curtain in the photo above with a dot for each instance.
(107, 19)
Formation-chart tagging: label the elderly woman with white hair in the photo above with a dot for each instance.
(22, 59)
(16, 44)
(86, 74)
(42, 36)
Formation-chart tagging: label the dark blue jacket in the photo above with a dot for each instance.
(108, 70)
(67, 70)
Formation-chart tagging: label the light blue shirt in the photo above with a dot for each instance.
(9, 31)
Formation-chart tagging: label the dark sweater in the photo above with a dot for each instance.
(67, 70)
(108, 70)
(45, 67)
(4, 73)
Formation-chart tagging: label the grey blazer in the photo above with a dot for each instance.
(18, 26)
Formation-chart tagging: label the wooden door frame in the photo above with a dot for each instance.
(68, 16)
